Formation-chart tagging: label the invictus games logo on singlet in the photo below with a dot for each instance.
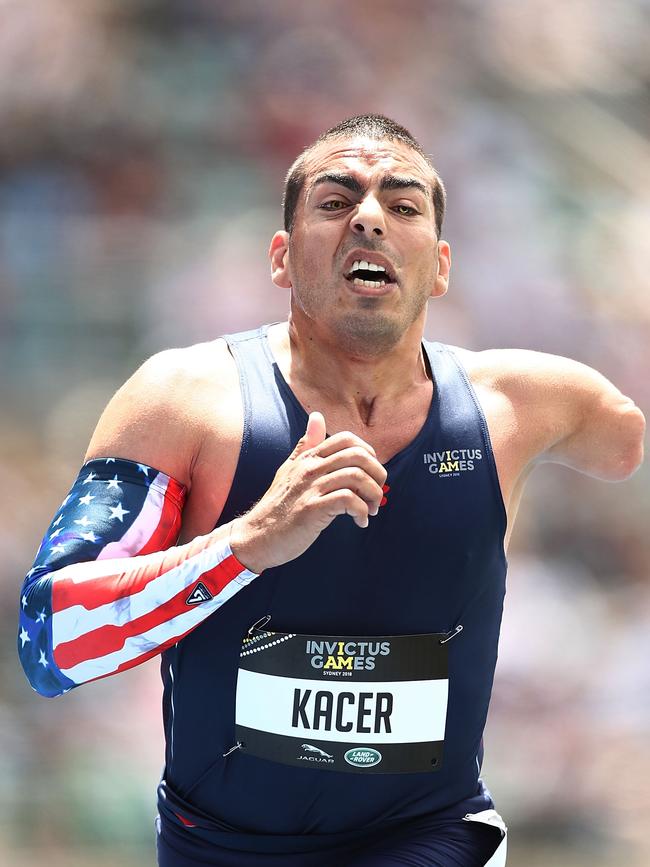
(452, 462)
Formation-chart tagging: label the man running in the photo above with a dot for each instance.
(348, 489)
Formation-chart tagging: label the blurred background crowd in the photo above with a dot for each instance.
(143, 145)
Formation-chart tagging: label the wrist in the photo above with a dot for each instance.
(245, 545)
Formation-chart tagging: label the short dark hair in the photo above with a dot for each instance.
(374, 126)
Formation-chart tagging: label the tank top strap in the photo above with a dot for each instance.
(449, 377)
(272, 423)
(459, 413)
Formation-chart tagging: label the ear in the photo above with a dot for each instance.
(444, 265)
(279, 256)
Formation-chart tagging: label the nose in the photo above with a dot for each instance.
(368, 219)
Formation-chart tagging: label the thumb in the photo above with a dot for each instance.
(315, 433)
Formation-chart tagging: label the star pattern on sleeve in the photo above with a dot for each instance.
(102, 509)
(118, 512)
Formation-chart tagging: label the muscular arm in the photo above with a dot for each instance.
(109, 587)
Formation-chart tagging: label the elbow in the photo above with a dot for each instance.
(41, 672)
(41, 683)
(35, 644)
(45, 691)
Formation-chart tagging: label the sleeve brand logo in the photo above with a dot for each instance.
(198, 595)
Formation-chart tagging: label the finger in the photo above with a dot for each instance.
(345, 502)
(342, 440)
(314, 434)
(316, 431)
(355, 456)
(353, 479)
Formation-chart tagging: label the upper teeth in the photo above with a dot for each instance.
(368, 266)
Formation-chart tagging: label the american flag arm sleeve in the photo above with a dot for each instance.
(106, 591)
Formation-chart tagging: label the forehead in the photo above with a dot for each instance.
(367, 157)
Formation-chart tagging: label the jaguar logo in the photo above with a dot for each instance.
(309, 748)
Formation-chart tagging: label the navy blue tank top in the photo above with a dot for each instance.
(430, 561)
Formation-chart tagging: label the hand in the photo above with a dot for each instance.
(322, 478)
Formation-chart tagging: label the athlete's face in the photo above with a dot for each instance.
(363, 201)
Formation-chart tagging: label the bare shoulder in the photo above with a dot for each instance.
(164, 412)
(518, 372)
(532, 379)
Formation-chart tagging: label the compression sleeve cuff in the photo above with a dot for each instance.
(103, 595)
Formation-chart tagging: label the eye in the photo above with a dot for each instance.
(405, 210)
(333, 205)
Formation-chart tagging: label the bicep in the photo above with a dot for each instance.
(147, 420)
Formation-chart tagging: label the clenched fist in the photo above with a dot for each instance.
(322, 478)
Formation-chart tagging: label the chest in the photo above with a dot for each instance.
(444, 453)
(389, 426)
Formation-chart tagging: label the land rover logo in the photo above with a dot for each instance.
(363, 757)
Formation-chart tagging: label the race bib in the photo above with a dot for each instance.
(344, 703)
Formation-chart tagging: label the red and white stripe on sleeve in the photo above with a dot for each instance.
(103, 595)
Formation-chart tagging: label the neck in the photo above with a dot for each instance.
(365, 386)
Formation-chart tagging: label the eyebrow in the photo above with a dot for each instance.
(343, 180)
(388, 182)
(393, 182)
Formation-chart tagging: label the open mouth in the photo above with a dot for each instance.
(368, 274)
